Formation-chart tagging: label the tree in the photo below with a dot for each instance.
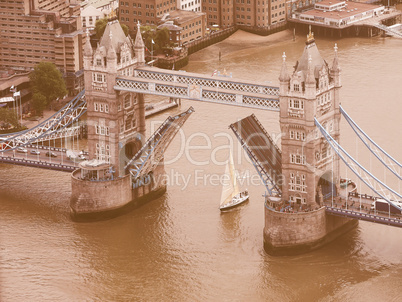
(47, 81)
(161, 38)
(8, 117)
(38, 102)
(100, 26)
(125, 29)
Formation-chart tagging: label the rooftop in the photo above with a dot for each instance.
(351, 9)
(184, 15)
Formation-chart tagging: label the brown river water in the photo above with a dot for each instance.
(180, 247)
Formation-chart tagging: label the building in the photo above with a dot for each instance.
(89, 16)
(36, 30)
(310, 171)
(112, 118)
(116, 130)
(105, 6)
(311, 91)
(256, 13)
(174, 31)
(192, 24)
(147, 12)
(336, 13)
(193, 5)
(93, 10)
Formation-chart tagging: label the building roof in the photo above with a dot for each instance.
(310, 51)
(113, 36)
(352, 9)
(138, 43)
(90, 11)
(184, 15)
(170, 26)
(7, 99)
(96, 3)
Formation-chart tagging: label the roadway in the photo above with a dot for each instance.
(41, 160)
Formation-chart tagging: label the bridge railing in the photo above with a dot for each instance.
(204, 81)
(392, 221)
(37, 164)
(198, 93)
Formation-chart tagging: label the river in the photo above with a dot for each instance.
(180, 247)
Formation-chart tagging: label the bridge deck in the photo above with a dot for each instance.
(261, 148)
(358, 206)
(59, 163)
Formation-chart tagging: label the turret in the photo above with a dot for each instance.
(139, 47)
(87, 52)
(111, 58)
(284, 77)
(336, 70)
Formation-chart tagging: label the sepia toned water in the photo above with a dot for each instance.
(180, 247)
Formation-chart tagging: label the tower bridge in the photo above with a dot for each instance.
(123, 168)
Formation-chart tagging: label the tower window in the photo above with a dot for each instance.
(127, 102)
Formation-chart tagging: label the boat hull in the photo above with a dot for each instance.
(235, 203)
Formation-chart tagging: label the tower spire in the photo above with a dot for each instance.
(284, 76)
(88, 49)
(310, 36)
(335, 63)
(139, 47)
(138, 38)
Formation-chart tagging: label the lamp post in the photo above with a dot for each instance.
(17, 94)
(152, 52)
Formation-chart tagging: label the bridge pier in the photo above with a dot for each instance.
(112, 196)
(296, 233)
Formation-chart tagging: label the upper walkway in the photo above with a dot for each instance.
(193, 86)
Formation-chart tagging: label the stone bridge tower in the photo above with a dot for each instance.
(116, 120)
(312, 90)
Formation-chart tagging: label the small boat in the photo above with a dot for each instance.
(231, 195)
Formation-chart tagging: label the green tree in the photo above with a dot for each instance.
(47, 80)
(8, 117)
(161, 38)
(100, 26)
(125, 29)
(38, 102)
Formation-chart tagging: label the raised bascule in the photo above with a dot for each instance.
(305, 205)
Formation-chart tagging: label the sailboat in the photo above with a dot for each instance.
(231, 195)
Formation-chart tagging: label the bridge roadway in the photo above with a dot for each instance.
(59, 163)
(193, 86)
(359, 207)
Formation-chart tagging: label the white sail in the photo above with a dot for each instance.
(229, 185)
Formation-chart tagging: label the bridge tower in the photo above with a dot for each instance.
(116, 120)
(312, 90)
